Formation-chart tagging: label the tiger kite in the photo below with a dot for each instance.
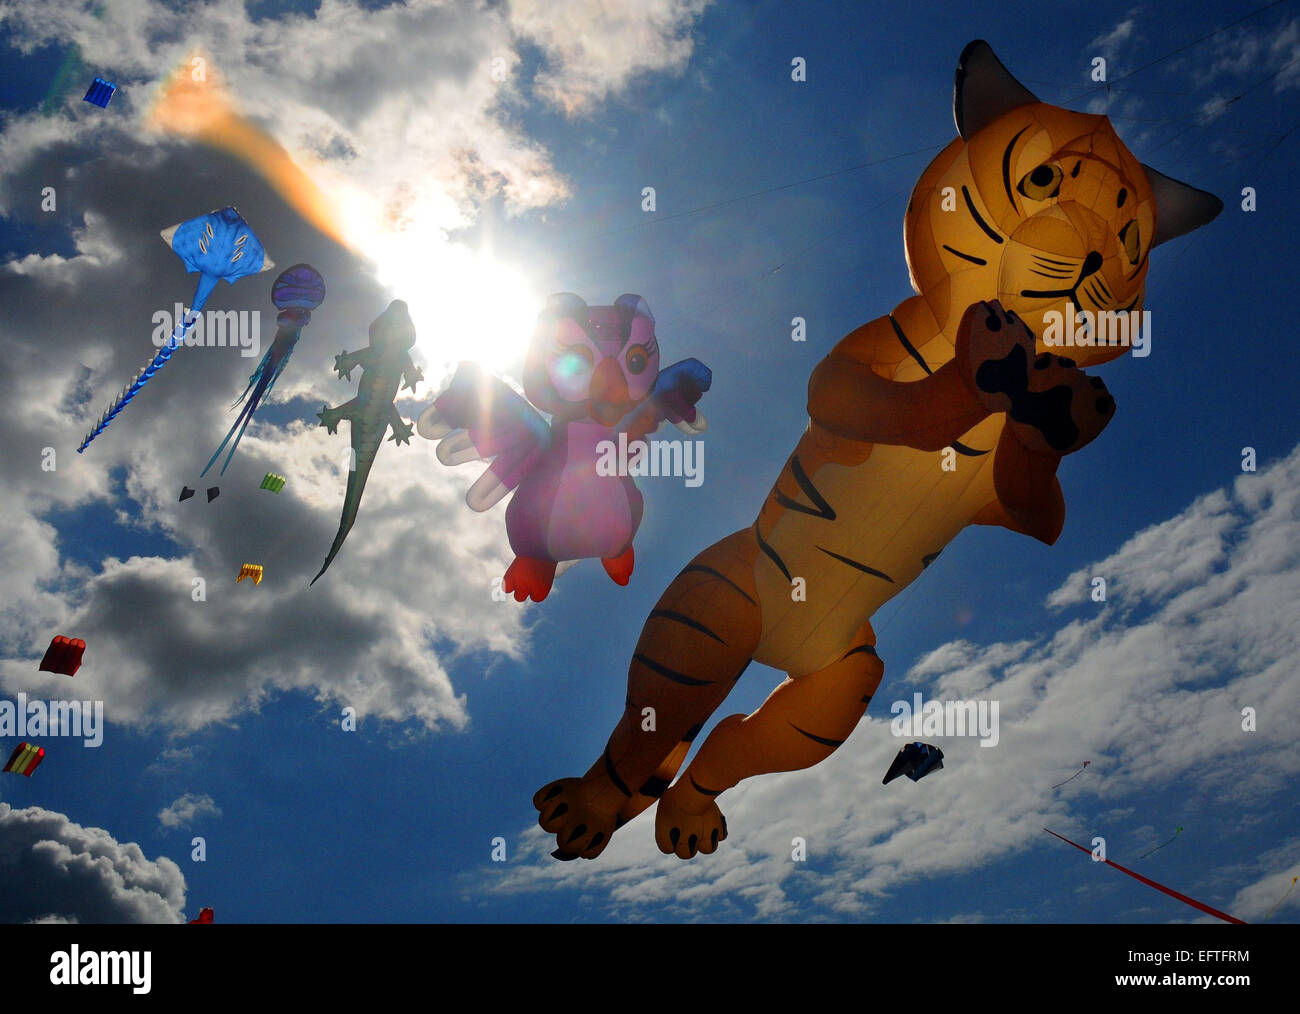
(947, 412)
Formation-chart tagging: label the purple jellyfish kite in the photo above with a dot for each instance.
(298, 291)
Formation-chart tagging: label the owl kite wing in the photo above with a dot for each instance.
(479, 417)
(676, 391)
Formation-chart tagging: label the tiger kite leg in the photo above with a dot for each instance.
(801, 724)
(694, 647)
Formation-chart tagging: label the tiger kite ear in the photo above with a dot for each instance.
(983, 89)
(1179, 208)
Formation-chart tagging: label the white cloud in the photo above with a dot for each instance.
(594, 49)
(1271, 896)
(1250, 54)
(182, 812)
(1110, 43)
(57, 871)
(95, 250)
(1284, 52)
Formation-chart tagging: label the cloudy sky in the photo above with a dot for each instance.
(470, 159)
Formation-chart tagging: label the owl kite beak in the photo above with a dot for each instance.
(608, 399)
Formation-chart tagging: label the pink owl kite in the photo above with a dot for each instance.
(595, 369)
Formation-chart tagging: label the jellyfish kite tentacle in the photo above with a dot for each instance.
(296, 293)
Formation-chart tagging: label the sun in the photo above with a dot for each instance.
(466, 304)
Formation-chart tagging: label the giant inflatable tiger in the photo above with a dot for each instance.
(1031, 210)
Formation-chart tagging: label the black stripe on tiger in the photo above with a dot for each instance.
(1006, 168)
(819, 739)
(720, 576)
(970, 206)
(965, 256)
(868, 649)
(911, 349)
(702, 790)
(668, 614)
(771, 553)
(961, 448)
(858, 566)
(654, 787)
(613, 776)
(670, 674)
(822, 510)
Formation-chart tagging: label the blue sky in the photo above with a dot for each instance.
(223, 715)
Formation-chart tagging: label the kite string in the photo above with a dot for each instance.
(837, 172)
(759, 193)
(1284, 897)
(1175, 52)
(1159, 847)
(786, 261)
(891, 158)
(1151, 883)
(1072, 777)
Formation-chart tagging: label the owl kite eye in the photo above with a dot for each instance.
(1042, 183)
(637, 358)
(575, 360)
(1131, 239)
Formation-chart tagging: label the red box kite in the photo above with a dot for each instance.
(63, 655)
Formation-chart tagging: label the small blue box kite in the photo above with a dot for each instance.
(100, 92)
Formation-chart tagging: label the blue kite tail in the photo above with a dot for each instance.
(142, 378)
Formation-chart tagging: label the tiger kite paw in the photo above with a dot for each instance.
(581, 813)
(989, 337)
(1062, 410)
(1054, 407)
(683, 834)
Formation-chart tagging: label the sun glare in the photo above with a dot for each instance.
(464, 302)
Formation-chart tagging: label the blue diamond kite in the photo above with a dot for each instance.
(212, 245)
